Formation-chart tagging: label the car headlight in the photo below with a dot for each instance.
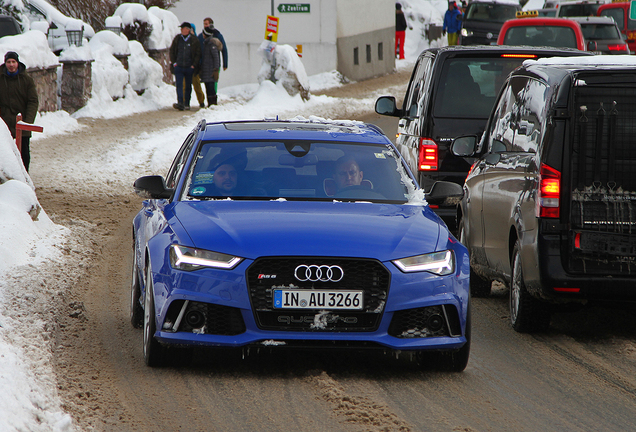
(466, 33)
(190, 259)
(439, 263)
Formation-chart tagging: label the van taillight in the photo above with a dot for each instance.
(549, 192)
(428, 155)
(617, 47)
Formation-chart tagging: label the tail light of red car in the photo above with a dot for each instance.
(548, 203)
(428, 157)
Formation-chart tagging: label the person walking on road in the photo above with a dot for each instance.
(196, 79)
(210, 63)
(18, 95)
(185, 55)
(400, 31)
(452, 23)
(208, 22)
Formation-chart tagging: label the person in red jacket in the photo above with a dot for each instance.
(400, 31)
(18, 95)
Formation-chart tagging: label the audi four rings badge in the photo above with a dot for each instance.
(315, 273)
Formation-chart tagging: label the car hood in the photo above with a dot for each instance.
(277, 228)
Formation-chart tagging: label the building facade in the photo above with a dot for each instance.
(355, 37)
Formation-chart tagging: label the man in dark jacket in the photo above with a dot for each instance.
(18, 95)
(400, 31)
(210, 64)
(185, 55)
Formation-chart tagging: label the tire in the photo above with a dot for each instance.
(527, 314)
(153, 351)
(136, 310)
(478, 287)
(449, 361)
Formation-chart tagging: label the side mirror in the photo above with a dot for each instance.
(592, 46)
(445, 193)
(152, 187)
(385, 105)
(465, 146)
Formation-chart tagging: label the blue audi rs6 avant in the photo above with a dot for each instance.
(301, 234)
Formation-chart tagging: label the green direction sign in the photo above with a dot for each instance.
(294, 8)
(632, 9)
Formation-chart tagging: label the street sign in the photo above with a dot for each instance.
(271, 28)
(632, 10)
(294, 8)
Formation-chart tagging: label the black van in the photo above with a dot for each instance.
(482, 21)
(451, 93)
(549, 206)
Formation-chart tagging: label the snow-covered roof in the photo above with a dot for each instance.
(55, 16)
(598, 60)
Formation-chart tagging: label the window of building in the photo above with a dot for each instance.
(368, 53)
(380, 51)
(356, 60)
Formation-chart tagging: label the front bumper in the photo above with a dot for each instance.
(415, 301)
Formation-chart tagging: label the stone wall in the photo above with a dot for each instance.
(76, 85)
(162, 56)
(46, 84)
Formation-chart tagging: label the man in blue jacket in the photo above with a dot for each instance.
(452, 23)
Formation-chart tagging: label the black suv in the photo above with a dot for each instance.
(549, 207)
(451, 93)
(483, 20)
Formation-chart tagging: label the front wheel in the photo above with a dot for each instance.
(153, 350)
(527, 314)
(478, 287)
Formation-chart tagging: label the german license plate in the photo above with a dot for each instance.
(317, 299)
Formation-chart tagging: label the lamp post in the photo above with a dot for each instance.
(75, 36)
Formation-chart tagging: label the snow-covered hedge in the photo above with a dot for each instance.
(154, 28)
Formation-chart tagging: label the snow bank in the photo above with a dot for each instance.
(289, 69)
(32, 48)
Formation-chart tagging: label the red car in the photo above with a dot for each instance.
(620, 12)
(551, 32)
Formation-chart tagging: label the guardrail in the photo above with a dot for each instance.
(20, 126)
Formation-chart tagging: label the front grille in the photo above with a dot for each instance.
(424, 322)
(213, 319)
(603, 176)
(267, 274)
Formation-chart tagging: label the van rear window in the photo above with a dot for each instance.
(468, 87)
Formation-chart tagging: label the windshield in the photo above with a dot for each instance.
(492, 12)
(7, 28)
(298, 170)
(578, 10)
(600, 31)
(468, 86)
(552, 36)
